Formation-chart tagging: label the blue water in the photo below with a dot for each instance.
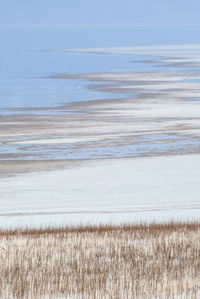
(26, 61)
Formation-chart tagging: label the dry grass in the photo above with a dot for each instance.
(129, 261)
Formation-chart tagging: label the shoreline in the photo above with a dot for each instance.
(146, 126)
(131, 158)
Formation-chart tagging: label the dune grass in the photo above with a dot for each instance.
(105, 261)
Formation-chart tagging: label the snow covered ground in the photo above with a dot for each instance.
(131, 189)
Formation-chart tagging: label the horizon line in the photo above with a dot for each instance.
(20, 25)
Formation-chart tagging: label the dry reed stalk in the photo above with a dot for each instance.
(105, 261)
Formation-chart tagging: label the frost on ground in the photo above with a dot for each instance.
(155, 261)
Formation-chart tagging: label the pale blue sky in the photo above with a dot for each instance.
(100, 13)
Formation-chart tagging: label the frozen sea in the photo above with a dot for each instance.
(135, 148)
(28, 56)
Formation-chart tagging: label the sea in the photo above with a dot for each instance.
(29, 55)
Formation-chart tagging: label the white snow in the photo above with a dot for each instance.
(117, 190)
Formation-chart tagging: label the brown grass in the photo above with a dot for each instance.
(105, 261)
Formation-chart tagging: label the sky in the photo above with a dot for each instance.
(99, 13)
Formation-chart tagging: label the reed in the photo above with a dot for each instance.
(105, 261)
